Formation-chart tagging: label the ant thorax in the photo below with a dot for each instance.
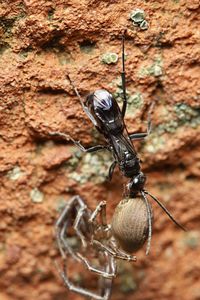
(137, 183)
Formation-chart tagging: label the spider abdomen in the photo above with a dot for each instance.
(130, 224)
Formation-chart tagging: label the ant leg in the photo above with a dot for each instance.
(142, 135)
(80, 290)
(165, 210)
(91, 149)
(101, 208)
(111, 170)
(138, 136)
(123, 76)
(149, 214)
(78, 143)
(106, 285)
(81, 101)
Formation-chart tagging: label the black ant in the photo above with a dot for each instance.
(131, 224)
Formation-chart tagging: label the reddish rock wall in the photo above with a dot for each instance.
(42, 41)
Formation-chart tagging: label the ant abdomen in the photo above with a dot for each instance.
(130, 225)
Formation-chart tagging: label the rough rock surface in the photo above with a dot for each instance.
(42, 41)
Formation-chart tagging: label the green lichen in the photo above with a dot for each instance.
(126, 279)
(134, 101)
(169, 127)
(155, 143)
(15, 173)
(73, 162)
(73, 242)
(153, 70)
(78, 278)
(187, 114)
(61, 203)
(109, 58)
(138, 18)
(144, 25)
(36, 195)
(89, 167)
(180, 115)
(137, 15)
(127, 284)
(96, 136)
(191, 239)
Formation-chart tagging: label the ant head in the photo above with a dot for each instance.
(102, 99)
(137, 183)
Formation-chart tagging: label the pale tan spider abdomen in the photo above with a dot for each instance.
(130, 224)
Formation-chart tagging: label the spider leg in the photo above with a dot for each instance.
(101, 208)
(63, 244)
(149, 213)
(81, 210)
(114, 252)
(80, 290)
(104, 284)
(60, 230)
(107, 274)
(63, 223)
(119, 251)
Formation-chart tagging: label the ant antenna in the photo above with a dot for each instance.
(123, 77)
(165, 210)
(81, 101)
(76, 91)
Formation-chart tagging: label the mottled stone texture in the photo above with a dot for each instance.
(41, 41)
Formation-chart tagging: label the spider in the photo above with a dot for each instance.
(93, 237)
